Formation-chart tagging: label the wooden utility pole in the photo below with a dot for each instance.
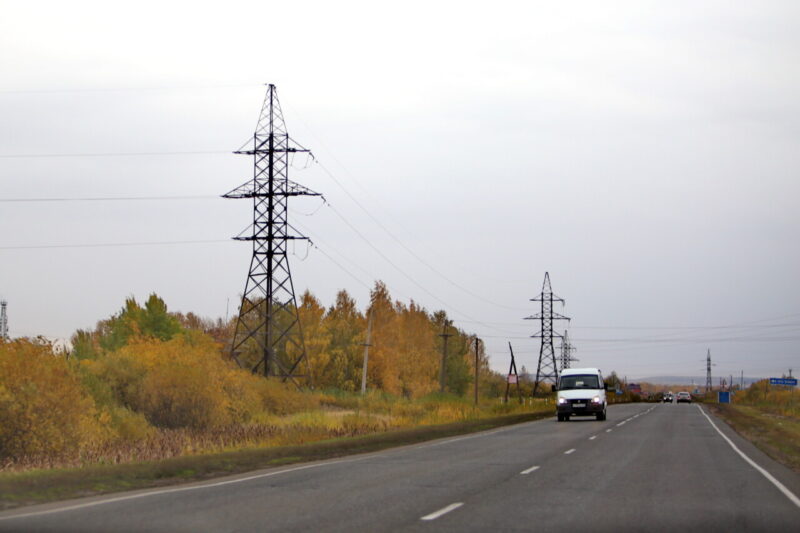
(476, 370)
(366, 356)
(444, 335)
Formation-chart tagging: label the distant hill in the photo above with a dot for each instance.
(699, 381)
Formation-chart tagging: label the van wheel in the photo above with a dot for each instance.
(560, 417)
(601, 416)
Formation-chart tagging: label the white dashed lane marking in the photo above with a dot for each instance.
(569, 451)
(529, 470)
(442, 511)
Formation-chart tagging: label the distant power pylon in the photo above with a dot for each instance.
(546, 370)
(268, 337)
(3, 321)
(709, 385)
(566, 352)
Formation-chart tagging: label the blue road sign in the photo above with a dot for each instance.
(723, 396)
(792, 382)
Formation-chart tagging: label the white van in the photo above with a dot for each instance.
(581, 392)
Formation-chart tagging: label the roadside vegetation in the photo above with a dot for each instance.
(149, 385)
(769, 417)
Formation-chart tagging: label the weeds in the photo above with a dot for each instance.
(334, 415)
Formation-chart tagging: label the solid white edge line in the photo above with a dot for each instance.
(569, 451)
(529, 470)
(781, 487)
(175, 489)
(465, 437)
(442, 511)
(231, 481)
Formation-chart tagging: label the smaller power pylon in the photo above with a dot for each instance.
(566, 352)
(3, 321)
(513, 376)
(547, 368)
(708, 371)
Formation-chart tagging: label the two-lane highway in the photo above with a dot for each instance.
(654, 467)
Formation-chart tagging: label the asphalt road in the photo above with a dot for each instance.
(649, 467)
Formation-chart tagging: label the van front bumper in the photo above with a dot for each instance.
(580, 407)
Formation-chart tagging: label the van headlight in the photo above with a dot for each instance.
(562, 401)
(596, 399)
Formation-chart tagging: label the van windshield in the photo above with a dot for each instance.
(579, 382)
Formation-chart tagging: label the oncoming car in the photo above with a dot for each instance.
(581, 392)
(683, 397)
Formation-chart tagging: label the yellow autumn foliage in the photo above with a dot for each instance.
(44, 410)
(183, 382)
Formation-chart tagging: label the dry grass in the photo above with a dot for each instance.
(778, 435)
(37, 486)
(338, 415)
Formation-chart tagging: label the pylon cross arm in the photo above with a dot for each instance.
(249, 190)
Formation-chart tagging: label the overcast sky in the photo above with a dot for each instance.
(644, 153)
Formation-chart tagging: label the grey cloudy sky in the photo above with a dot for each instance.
(644, 153)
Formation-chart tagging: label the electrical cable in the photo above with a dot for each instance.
(409, 250)
(106, 199)
(131, 89)
(403, 273)
(110, 244)
(111, 154)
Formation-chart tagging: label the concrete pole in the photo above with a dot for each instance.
(476, 370)
(366, 356)
(444, 335)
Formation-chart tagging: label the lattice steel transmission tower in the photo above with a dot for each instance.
(546, 369)
(566, 351)
(3, 321)
(268, 336)
(709, 385)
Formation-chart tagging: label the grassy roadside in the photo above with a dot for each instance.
(40, 486)
(777, 436)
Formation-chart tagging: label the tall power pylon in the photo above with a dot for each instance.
(268, 337)
(546, 369)
(3, 321)
(708, 371)
(566, 351)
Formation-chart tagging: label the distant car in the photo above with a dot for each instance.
(683, 397)
(667, 397)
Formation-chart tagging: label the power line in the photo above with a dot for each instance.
(110, 244)
(112, 154)
(107, 199)
(409, 250)
(402, 272)
(130, 89)
(657, 327)
(342, 268)
(369, 274)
